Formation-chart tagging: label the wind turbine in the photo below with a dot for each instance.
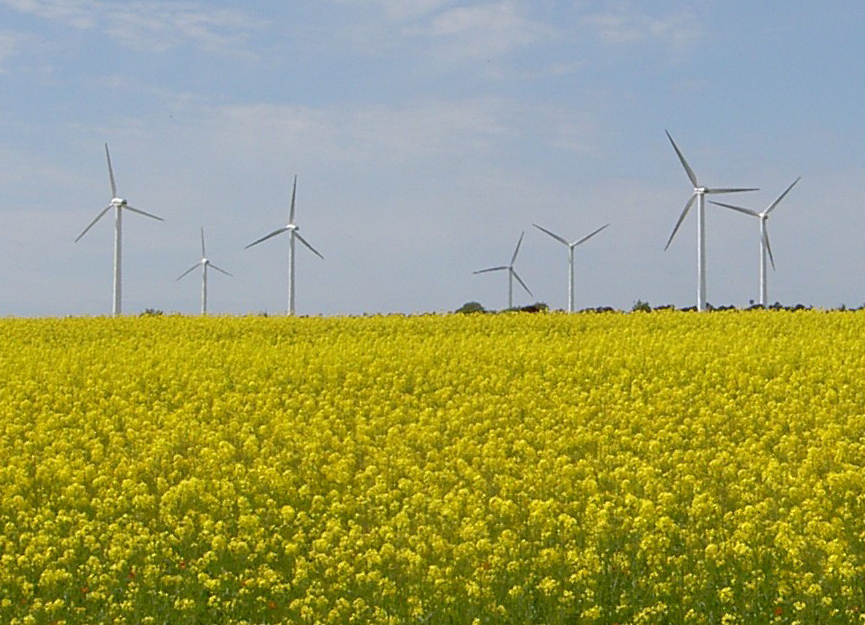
(571, 246)
(699, 195)
(765, 248)
(119, 204)
(204, 263)
(511, 274)
(292, 229)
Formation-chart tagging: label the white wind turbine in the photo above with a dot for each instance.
(204, 263)
(699, 195)
(765, 248)
(571, 246)
(511, 274)
(119, 205)
(292, 229)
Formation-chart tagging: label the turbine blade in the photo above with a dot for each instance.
(306, 243)
(681, 219)
(92, 223)
(781, 197)
(768, 248)
(293, 196)
(589, 236)
(552, 234)
(520, 280)
(212, 266)
(747, 211)
(110, 173)
(203, 253)
(141, 212)
(729, 190)
(492, 269)
(188, 271)
(266, 237)
(691, 175)
(517, 250)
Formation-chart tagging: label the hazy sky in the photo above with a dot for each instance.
(426, 136)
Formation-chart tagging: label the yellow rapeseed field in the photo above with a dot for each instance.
(666, 467)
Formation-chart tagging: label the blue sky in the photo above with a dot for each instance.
(426, 136)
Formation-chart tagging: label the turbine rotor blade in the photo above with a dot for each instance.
(520, 280)
(188, 271)
(552, 234)
(517, 250)
(691, 175)
(306, 243)
(747, 211)
(110, 173)
(718, 191)
(203, 253)
(212, 266)
(266, 237)
(768, 248)
(589, 236)
(501, 268)
(293, 196)
(141, 212)
(92, 223)
(781, 197)
(681, 219)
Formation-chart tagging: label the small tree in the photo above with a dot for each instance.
(471, 307)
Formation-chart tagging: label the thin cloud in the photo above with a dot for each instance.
(626, 26)
(10, 45)
(483, 30)
(156, 26)
(401, 10)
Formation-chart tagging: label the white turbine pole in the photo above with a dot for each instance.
(118, 216)
(570, 278)
(204, 289)
(764, 235)
(701, 252)
(291, 274)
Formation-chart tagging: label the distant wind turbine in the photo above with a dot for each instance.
(292, 229)
(204, 263)
(571, 246)
(511, 274)
(118, 204)
(765, 248)
(699, 195)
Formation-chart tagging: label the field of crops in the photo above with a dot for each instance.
(662, 467)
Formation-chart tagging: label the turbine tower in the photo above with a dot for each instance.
(699, 195)
(292, 229)
(765, 248)
(204, 263)
(119, 204)
(571, 246)
(511, 274)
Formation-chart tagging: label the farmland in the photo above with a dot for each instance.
(592, 468)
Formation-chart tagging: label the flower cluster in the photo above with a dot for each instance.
(553, 468)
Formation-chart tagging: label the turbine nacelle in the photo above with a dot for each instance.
(119, 201)
(700, 190)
